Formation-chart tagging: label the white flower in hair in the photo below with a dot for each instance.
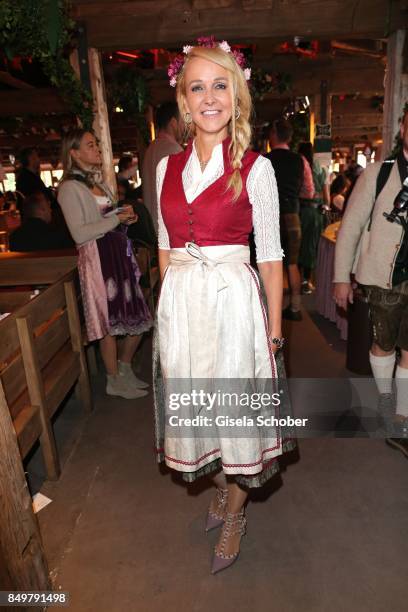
(187, 49)
(173, 82)
(225, 46)
(247, 73)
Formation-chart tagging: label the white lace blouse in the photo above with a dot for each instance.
(262, 192)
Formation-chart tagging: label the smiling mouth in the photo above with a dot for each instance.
(210, 113)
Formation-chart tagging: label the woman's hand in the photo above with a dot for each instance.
(127, 216)
(271, 335)
(342, 294)
(272, 278)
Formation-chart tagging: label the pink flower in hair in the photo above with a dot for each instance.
(174, 69)
(225, 46)
(208, 42)
(239, 58)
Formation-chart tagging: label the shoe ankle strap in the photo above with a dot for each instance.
(234, 526)
(235, 520)
(222, 495)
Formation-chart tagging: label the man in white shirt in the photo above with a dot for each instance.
(167, 142)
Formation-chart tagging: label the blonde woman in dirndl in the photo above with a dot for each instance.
(211, 321)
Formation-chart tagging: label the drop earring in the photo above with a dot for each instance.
(187, 118)
(237, 113)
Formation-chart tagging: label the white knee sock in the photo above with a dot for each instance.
(383, 368)
(401, 382)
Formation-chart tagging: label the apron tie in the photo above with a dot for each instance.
(202, 302)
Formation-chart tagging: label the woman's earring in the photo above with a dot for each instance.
(187, 118)
(237, 113)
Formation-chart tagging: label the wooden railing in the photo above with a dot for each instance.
(41, 359)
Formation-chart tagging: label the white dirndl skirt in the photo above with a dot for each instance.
(211, 327)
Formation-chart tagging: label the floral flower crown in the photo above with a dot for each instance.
(210, 43)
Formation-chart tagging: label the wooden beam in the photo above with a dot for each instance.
(37, 395)
(343, 46)
(40, 268)
(8, 79)
(23, 564)
(101, 122)
(371, 119)
(368, 130)
(77, 345)
(35, 102)
(126, 24)
(353, 107)
(396, 88)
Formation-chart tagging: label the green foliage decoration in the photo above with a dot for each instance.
(262, 83)
(43, 30)
(128, 90)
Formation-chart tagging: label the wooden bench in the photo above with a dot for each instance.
(21, 273)
(41, 359)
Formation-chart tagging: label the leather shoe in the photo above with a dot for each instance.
(292, 315)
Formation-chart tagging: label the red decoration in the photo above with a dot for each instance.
(303, 48)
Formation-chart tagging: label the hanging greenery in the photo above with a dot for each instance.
(262, 83)
(43, 30)
(128, 91)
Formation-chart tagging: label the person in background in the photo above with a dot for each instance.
(10, 201)
(376, 251)
(307, 190)
(166, 143)
(142, 231)
(36, 232)
(338, 190)
(121, 187)
(311, 217)
(126, 169)
(352, 173)
(108, 272)
(28, 178)
(289, 172)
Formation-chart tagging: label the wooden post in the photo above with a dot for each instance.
(22, 562)
(76, 338)
(37, 397)
(91, 359)
(101, 123)
(396, 89)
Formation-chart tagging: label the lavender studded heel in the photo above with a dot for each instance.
(234, 524)
(216, 519)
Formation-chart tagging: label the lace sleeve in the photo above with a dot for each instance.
(263, 195)
(163, 237)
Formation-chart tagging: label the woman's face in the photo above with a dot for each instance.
(208, 96)
(88, 153)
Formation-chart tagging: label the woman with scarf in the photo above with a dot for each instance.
(109, 276)
(212, 327)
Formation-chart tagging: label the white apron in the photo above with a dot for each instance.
(212, 325)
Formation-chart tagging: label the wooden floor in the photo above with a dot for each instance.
(329, 534)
